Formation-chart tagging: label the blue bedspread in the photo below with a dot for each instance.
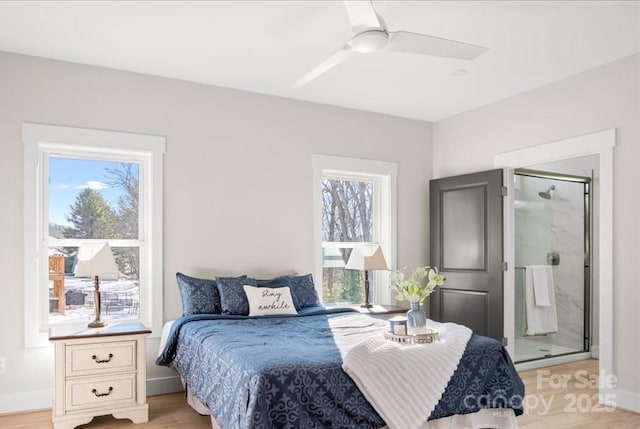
(286, 371)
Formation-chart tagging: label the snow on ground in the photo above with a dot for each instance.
(120, 300)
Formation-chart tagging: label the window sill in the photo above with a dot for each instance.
(376, 309)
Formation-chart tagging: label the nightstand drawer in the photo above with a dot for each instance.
(95, 392)
(100, 358)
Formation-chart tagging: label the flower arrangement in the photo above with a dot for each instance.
(414, 289)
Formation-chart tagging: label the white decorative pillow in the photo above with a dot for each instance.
(267, 300)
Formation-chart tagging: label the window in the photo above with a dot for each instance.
(355, 204)
(82, 186)
(347, 220)
(93, 199)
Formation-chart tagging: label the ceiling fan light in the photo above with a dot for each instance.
(369, 41)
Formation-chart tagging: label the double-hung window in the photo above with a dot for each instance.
(84, 186)
(354, 204)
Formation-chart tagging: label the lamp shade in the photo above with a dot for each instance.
(95, 259)
(367, 257)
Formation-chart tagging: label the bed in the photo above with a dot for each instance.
(285, 371)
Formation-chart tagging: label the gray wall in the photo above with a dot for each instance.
(238, 196)
(598, 99)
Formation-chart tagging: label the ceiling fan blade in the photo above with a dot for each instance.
(416, 43)
(328, 64)
(362, 15)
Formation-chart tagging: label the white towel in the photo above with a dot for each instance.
(405, 382)
(539, 320)
(542, 284)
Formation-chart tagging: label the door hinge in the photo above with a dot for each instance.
(504, 341)
(505, 266)
(505, 191)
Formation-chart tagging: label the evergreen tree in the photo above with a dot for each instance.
(90, 217)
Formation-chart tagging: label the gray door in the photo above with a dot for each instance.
(466, 245)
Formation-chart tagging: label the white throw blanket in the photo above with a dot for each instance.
(405, 382)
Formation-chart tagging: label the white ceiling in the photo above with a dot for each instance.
(265, 46)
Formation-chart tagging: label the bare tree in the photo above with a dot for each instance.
(126, 177)
(346, 217)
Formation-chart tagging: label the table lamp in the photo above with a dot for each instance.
(95, 259)
(366, 257)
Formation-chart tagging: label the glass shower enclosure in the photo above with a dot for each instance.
(552, 256)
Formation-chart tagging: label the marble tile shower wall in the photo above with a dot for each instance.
(557, 225)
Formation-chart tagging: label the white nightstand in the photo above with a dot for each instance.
(100, 371)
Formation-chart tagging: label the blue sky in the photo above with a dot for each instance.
(68, 177)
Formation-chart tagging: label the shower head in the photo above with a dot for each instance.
(547, 194)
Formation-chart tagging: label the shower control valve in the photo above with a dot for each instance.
(553, 258)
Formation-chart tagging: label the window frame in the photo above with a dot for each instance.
(384, 176)
(43, 141)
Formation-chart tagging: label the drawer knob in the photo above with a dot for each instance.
(94, 357)
(95, 392)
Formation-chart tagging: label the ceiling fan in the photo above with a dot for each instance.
(371, 34)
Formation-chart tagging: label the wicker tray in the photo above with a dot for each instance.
(430, 337)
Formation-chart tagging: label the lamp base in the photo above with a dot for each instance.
(97, 324)
(366, 303)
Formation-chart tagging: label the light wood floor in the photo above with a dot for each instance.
(574, 406)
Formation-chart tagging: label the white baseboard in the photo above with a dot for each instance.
(26, 401)
(43, 399)
(595, 352)
(625, 400)
(160, 386)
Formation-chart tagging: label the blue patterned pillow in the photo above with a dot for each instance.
(305, 291)
(232, 296)
(280, 282)
(198, 295)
